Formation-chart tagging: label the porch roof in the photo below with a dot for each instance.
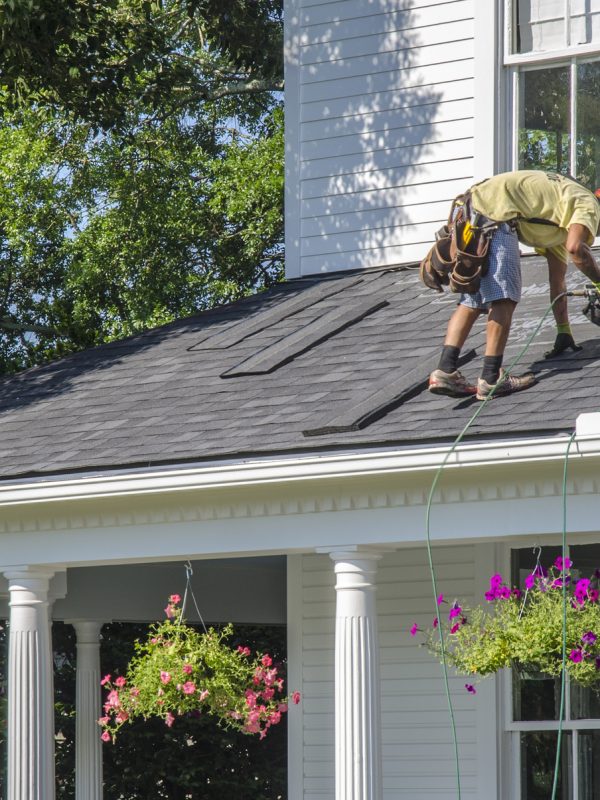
(323, 363)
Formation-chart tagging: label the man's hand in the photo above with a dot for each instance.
(563, 341)
(578, 243)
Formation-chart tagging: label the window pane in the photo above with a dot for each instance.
(538, 754)
(540, 25)
(544, 119)
(588, 759)
(588, 125)
(585, 21)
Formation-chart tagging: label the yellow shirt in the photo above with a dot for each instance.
(530, 194)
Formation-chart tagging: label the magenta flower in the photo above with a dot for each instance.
(440, 600)
(517, 593)
(530, 581)
(490, 596)
(436, 622)
(455, 628)
(470, 688)
(455, 611)
(414, 629)
(576, 656)
(562, 564)
(496, 581)
(589, 638)
(593, 595)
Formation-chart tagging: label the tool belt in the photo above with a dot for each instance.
(459, 257)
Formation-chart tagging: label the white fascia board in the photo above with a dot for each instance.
(299, 469)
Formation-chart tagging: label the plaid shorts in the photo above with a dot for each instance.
(503, 279)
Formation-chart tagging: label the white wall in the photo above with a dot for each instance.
(418, 759)
(380, 125)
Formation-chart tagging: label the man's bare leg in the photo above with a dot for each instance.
(498, 326)
(446, 379)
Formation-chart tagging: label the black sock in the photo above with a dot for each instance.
(449, 358)
(491, 369)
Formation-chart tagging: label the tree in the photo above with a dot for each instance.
(97, 58)
(131, 200)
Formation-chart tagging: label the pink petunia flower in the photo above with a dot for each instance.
(187, 669)
(120, 682)
(202, 694)
(562, 564)
(165, 677)
(295, 698)
(266, 661)
(243, 651)
(105, 680)
(189, 687)
(415, 628)
(169, 719)
(175, 598)
(105, 736)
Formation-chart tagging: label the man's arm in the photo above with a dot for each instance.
(578, 243)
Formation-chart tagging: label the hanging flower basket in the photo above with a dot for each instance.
(179, 670)
(525, 630)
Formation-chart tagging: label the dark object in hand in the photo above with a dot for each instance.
(592, 310)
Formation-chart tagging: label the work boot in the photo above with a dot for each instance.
(505, 385)
(453, 384)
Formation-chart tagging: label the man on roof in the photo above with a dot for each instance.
(549, 212)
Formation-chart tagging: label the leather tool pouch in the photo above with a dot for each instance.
(459, 258)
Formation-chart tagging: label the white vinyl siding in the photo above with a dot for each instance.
(381, 126)
(418, 754)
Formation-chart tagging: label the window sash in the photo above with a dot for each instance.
(512, 57)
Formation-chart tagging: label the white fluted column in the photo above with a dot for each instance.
(357, 691)
(30, 692)
(88, 747)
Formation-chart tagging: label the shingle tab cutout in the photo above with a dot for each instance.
(234, 334)
(387, 395)
(290, 347)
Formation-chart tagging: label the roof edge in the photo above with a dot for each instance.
(305, 469)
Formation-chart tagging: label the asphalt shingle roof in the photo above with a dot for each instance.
(318, 363)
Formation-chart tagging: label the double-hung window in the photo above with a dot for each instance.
(552, 54)
(533, 702)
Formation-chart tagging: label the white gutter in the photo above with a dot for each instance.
(262, 472)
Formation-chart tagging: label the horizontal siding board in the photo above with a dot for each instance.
(366, 239)
(383, 179)
(369, 144)
(402, 97)
(421, 112)
(407, 19)
(395, 196)
(430, 213)
(388, 61)
(314, 12)
(404, 41)
(457, 69)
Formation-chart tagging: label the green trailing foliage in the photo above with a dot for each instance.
(526, 630)
(178, 671)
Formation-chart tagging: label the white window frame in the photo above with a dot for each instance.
(513, 729)
(562, 54)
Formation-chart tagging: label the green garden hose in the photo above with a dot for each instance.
(434, 485)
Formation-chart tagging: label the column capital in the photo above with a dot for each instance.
(87, 630)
